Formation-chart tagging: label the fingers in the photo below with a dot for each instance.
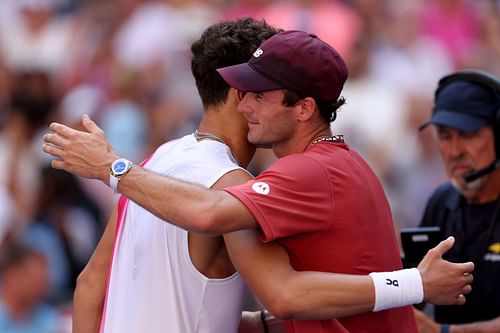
(468, 278)
(55, 139)
(53, 150)
(462, 272)
(58, 164)
(90, 125)
(460, 300)
(443, 247)
(62, 130)
(467, 267)
(466, 289)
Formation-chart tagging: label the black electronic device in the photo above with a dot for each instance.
(417, 241)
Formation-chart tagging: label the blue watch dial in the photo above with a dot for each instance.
(120, 166)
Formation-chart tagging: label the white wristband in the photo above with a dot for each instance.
(398, 288)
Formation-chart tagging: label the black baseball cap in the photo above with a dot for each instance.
(293, 60)
(466, 105)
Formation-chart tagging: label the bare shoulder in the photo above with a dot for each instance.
(232, 178)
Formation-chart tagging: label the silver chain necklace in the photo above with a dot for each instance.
(209, 136)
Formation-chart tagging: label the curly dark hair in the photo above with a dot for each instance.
(224, 44)
(327, 110)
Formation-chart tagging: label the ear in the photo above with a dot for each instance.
(233, 94)
(307, 109)
(232, 97)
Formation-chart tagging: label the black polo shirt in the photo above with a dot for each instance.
(476, 229)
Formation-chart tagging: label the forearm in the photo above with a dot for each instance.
(90, 291)
(289, 294)
(186, 205)
(325, 295)
(489, 326)
(87, 308)
(89, 154)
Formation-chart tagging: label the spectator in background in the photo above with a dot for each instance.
(455, 24)
(417, 171)
(466, 116)
(36, 38)
(31, 105)
(48, 209)
(374, 109)
(333, 21)
(66, 227)
(486, 53)
(24, 283)
(5, 213)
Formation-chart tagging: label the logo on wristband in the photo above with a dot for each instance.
(390, 282)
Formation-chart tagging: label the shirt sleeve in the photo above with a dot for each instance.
(292, 197)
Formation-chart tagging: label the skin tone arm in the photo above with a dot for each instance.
(290, 294)
(88, 301)
(88, 154)
(427, 325)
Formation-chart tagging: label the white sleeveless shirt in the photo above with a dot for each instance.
(153, 286)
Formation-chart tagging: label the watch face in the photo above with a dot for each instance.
(120, 167)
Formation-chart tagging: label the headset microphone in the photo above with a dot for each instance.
(473, 175)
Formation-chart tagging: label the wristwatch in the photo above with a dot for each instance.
(119, 168)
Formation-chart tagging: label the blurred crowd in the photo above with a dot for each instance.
(126, 64)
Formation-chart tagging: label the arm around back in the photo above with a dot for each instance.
(88, 302)
(289, 294)
(189, 206)
(89, 154)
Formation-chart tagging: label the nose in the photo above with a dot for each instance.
(456, 146)
(243, 105)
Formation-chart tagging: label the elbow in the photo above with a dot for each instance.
(283, 306)
(210, 217)
(206, 224)
(84, 282)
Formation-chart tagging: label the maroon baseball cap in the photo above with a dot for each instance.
(293, 60)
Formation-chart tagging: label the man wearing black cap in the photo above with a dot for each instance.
(466, 117)
(320, 200)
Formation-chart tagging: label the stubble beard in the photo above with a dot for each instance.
(470, 190)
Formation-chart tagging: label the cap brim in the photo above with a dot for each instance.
(459, 121)
(243, 77)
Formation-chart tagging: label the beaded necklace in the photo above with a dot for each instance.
(335, 139)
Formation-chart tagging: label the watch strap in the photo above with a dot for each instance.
(113, 182)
